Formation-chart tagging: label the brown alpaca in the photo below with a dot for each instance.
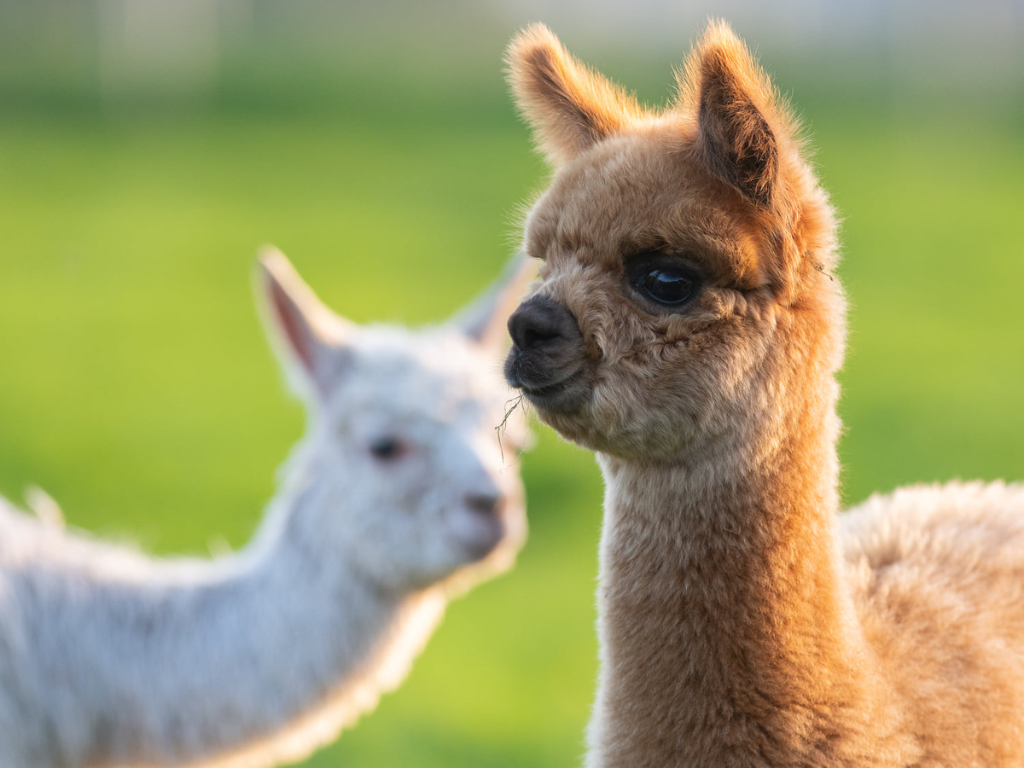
(688, 328)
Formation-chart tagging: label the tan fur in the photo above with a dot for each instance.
(741, 622)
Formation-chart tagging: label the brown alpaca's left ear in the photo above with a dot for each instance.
(736, 107)
(569, 106)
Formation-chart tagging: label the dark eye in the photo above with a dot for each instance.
(385, 448)
(666, 285)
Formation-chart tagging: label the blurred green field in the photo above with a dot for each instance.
(137, 388)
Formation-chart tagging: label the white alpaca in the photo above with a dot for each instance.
(398, 495)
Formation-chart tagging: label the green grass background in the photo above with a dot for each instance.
(137, 389)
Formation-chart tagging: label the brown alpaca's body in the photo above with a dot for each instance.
(688, 329)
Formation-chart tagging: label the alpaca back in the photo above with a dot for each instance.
(937, 576)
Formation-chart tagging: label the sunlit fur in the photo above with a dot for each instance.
(109, 657)
(741, 623)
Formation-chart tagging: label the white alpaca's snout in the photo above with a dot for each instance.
(479, 523)
(476, 516)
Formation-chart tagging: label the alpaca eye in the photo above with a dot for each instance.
(666, 286)
(386, 448)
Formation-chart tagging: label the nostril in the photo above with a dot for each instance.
(533, 335)
(529, 328)
(484, 503)
(537, 321)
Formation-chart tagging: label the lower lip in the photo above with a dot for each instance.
(552, 390)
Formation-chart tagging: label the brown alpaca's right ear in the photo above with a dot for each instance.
(569, 106)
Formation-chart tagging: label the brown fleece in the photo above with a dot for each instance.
(742, 623)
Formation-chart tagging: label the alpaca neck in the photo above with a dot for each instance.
(726, 636)
(252, 660)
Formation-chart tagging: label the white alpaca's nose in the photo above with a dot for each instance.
(487, 503)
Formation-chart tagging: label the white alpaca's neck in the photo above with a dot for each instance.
(250, 660)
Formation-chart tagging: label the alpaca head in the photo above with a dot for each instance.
(410, 480)
(686, 255)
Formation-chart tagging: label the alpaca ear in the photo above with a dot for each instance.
(569, 106)
(310, 339)
(735, 106)
(485, 319)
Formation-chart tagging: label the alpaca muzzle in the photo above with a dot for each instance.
(547, 360)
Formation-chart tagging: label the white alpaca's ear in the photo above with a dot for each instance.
(485, 319)
(310, 340)
(569, 106)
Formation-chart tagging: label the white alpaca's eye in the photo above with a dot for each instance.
(387, 448)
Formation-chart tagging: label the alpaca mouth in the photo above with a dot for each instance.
(562, 395)
(552, 389)
(479, 543)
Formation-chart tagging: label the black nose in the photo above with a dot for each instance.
(484, 503)
(541, 320)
